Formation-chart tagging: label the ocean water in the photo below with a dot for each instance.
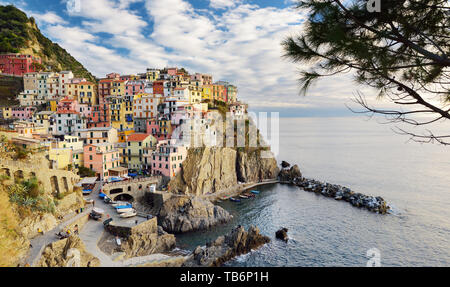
(368, 158)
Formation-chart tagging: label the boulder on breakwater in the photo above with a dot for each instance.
(338, 192)
(225, 248)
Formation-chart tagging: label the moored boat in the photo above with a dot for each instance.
(255, 192)
(125, 210)
(132, 213)
(234, 199)
(243, 196)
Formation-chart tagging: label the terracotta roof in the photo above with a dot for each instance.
(137, 137)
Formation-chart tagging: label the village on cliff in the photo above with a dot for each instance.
(124, 125)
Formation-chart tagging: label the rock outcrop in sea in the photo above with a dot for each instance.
(227, 247)
(212, 169)
(181, 214)
(338, 192)
(282, 234)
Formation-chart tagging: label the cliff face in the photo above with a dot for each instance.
(212, 169)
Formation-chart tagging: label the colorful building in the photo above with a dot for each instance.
(87, 93)
(19, 64)
(100, 158)
(23, 113)
(167, 158)
(138, 146)
(98, 135)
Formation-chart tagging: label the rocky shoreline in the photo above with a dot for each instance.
(293, 176)
(227, 247)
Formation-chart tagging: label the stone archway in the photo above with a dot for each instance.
(5, 171)
(55, 185)
(18, 175)
(124, 197)
(65, 184)
(116, 190)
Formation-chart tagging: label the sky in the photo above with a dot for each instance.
(234, 40)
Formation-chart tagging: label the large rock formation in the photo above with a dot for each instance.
(287, 175)
(182, 214)
(225, 248)
(69, 252)
(251, 167)
(213, 169)
(143, 239)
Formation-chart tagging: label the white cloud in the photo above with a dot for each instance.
(223, 4)
(48, 18)
(240, 45)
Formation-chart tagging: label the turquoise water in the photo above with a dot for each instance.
(368, 158)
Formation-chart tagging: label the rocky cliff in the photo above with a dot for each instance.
(225, 248)
(67, 252)
(140, 240)
(183, 214)
(213, 169)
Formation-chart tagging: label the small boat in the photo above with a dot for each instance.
(119, 203)
(129, 214)
(234, 199)
(124, 206)
(101, 195)
(87, 191)
(243, 196)
(249, 195)
(255, 192)
(98, 210)
(125, 210)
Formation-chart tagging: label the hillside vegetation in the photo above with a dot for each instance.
(20, 34)
(12, 243)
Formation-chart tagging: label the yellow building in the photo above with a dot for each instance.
(6, 112)
(87, 93)
(121, 114)
(72, 90)
(207, 93)
(62, 157)
(138, 146)
(152, 74)
(118, 88)
(53, 105)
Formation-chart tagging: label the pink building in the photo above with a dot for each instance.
(23, 113)
(167, 158)
(67, 105)
(134, 87)
(101, 158)
(18, 64)
(172, 71)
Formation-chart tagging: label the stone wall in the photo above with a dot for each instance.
(149, 226)
(52, 180)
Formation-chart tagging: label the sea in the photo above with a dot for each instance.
(368, 157)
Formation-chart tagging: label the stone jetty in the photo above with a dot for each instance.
(293, 176)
